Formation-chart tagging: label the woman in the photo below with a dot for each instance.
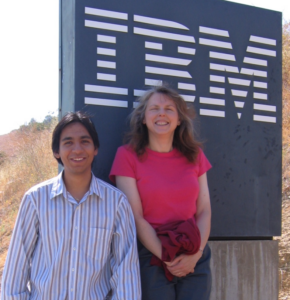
(162, 171)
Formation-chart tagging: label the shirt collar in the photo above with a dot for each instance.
(95, 187)
(59, 188)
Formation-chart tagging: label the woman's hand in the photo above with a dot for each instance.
(183, 264)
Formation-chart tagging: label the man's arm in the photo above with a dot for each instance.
(16, 274)
(125, 279)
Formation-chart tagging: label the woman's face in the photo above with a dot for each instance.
(161, 116)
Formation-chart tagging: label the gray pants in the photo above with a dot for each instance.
(194, 286)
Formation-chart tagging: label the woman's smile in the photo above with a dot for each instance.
(161, 116)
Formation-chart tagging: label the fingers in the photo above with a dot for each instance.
(183, 273)
(168, 263)
(175, 271)
(180, 272)
(172, 263)
(182, 265)
(177, 259)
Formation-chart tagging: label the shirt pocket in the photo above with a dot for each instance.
(99, 243)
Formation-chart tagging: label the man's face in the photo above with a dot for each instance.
(76, 149)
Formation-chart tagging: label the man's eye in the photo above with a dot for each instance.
(86, 141)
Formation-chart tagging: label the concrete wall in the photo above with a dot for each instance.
(244, 270)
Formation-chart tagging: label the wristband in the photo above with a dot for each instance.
(201, 250)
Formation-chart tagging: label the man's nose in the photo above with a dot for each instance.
(77, 147)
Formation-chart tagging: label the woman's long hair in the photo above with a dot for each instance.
(184, 136)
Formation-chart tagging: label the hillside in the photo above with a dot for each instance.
(25, 160)
(284, 240)
(6, 143)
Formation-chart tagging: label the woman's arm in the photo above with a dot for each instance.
(203, 210)
(184, 264)
(145, 232)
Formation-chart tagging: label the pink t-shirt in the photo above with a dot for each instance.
(167, 182)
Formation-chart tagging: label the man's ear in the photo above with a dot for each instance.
(56, 155)
(96, 151)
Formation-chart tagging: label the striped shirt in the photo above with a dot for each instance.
(63, 249)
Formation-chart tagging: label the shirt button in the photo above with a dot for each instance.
(74, 249)
(76, 227)
(73, 269)
(71, 290)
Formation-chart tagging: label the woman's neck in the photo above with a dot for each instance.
(160, 145)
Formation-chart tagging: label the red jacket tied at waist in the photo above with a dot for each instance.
(179, 237)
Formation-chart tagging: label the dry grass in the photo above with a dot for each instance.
(284, 252)
(31, 163)
(284, 240)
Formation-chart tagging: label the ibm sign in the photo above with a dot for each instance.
(177, 66)
(223, 57)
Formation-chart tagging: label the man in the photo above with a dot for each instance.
(74, 236)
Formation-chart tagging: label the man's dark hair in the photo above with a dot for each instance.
(69, 118)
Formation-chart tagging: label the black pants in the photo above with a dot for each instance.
(155, 286)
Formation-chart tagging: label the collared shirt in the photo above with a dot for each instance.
(64, 249)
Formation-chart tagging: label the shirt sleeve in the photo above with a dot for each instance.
(125, 280)
(204, 164)
(124, 163)
(16, 274)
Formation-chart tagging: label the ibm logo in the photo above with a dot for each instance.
(222, 69)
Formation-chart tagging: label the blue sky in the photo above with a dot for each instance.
(29, 58)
